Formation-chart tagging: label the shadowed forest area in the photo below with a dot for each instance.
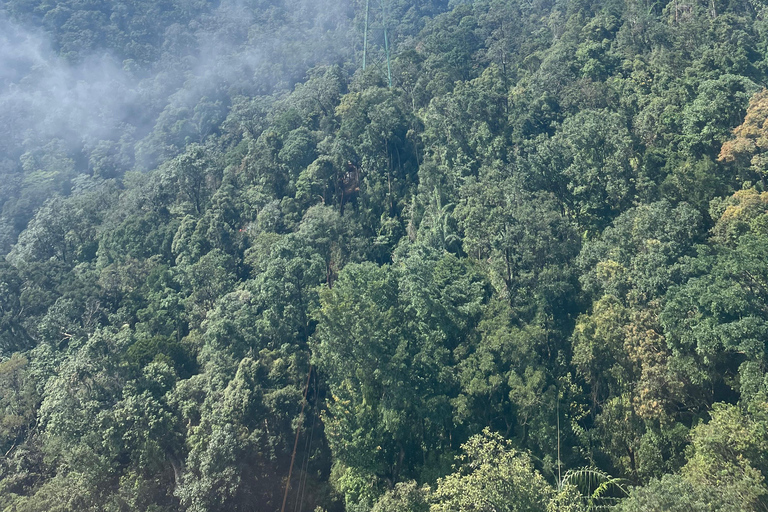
(521, 265)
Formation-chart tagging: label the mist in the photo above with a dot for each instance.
(78, 102)
(227, 51)
(43, 97)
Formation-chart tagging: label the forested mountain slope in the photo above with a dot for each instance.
(531, 274)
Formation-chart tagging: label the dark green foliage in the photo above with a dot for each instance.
(530, 275)
(673, 493)
(403, 322)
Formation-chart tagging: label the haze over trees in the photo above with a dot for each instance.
(530, 275)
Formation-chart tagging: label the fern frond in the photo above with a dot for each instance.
(594, 485)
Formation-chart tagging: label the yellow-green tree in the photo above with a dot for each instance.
(748, 150)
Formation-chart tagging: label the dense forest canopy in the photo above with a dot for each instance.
(529, 274)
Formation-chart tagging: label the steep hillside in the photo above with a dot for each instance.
(521, 266)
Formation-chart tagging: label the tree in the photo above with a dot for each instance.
(66, 228)
(194, 174)
(590, 164)
(673, 493)
(13, 335)
(404, 497)
(18, 408)
(507, 383)
(749, 147)
(725, 469)
(729, 451)
(492, 477)
(717, 109)
(715, 321)
(239, 431)
(403, 322)
(523, 236)
(381, 157)
(468, 128)
(638, 257)
(743, 213)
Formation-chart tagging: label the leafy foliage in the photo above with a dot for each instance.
(529, 275)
